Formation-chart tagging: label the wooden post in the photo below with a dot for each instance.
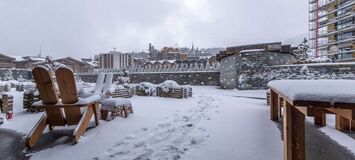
(273, 105)
(341, 123)
(294, 133)
(353, 125)
(320, 119)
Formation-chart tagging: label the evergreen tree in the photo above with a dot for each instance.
(302, 52)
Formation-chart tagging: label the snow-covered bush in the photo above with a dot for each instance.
(123, 80)
(5, 86)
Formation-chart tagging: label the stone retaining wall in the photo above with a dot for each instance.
(251, 80)
(15, 73)
(182, 78)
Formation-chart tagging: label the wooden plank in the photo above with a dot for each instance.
(68, 94)
(45, 85)
(347, 113)
(274, 105)
(320, 119)
(66, 85)
(55, 116)
(72, 115)
(83, 124)
(63, 105)
(36, 132)
(342, 123)
(96, 107)
(302, 109)
(344, 105)
(294, 133)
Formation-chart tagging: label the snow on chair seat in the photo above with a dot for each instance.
(117, 106)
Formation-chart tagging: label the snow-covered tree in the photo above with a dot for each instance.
(8, 75)
(207, 68)
(302, 52)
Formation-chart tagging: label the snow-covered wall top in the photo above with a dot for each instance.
(184, 78)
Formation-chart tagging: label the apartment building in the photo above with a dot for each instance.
(332, 29)
(114, 60)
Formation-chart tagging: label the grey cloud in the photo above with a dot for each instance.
(81, 28)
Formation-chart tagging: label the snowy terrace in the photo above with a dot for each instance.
(213, 124)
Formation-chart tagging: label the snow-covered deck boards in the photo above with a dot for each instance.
(213, 124)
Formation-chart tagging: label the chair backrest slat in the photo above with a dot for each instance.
(99, 83)
(68, 94)
(48, 94)
(108, 82)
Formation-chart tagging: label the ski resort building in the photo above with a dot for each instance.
(332, 29)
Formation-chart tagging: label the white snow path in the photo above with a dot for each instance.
(170, 139)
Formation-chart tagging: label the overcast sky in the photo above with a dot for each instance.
(82, 28)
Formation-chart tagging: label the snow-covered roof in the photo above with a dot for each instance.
(251, 50)
(162, 61)
(331, 91)
(25, 58)
(93, 63)
(17, 58)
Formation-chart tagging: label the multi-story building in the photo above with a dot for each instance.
(114, 60)
(332, 28)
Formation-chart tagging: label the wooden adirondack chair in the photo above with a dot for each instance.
(54, 107)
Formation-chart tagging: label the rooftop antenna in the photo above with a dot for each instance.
(40, 51)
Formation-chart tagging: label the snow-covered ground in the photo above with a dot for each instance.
(213, 124)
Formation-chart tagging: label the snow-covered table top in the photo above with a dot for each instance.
(332, 91)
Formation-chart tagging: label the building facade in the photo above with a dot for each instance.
(243, 62)
(114, 60)
(332, 29)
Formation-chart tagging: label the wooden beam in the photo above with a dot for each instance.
(320, 119)
(96, 108)
(342, 123)
(294, 133)
(36, 132)
(273, 105)
(84, 122)
(347, 113)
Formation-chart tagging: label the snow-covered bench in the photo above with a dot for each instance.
(117, 106)
(121, 91)
(6, 102)
(146, 89)
(31, 96)
(170, 88)
(310, 98)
